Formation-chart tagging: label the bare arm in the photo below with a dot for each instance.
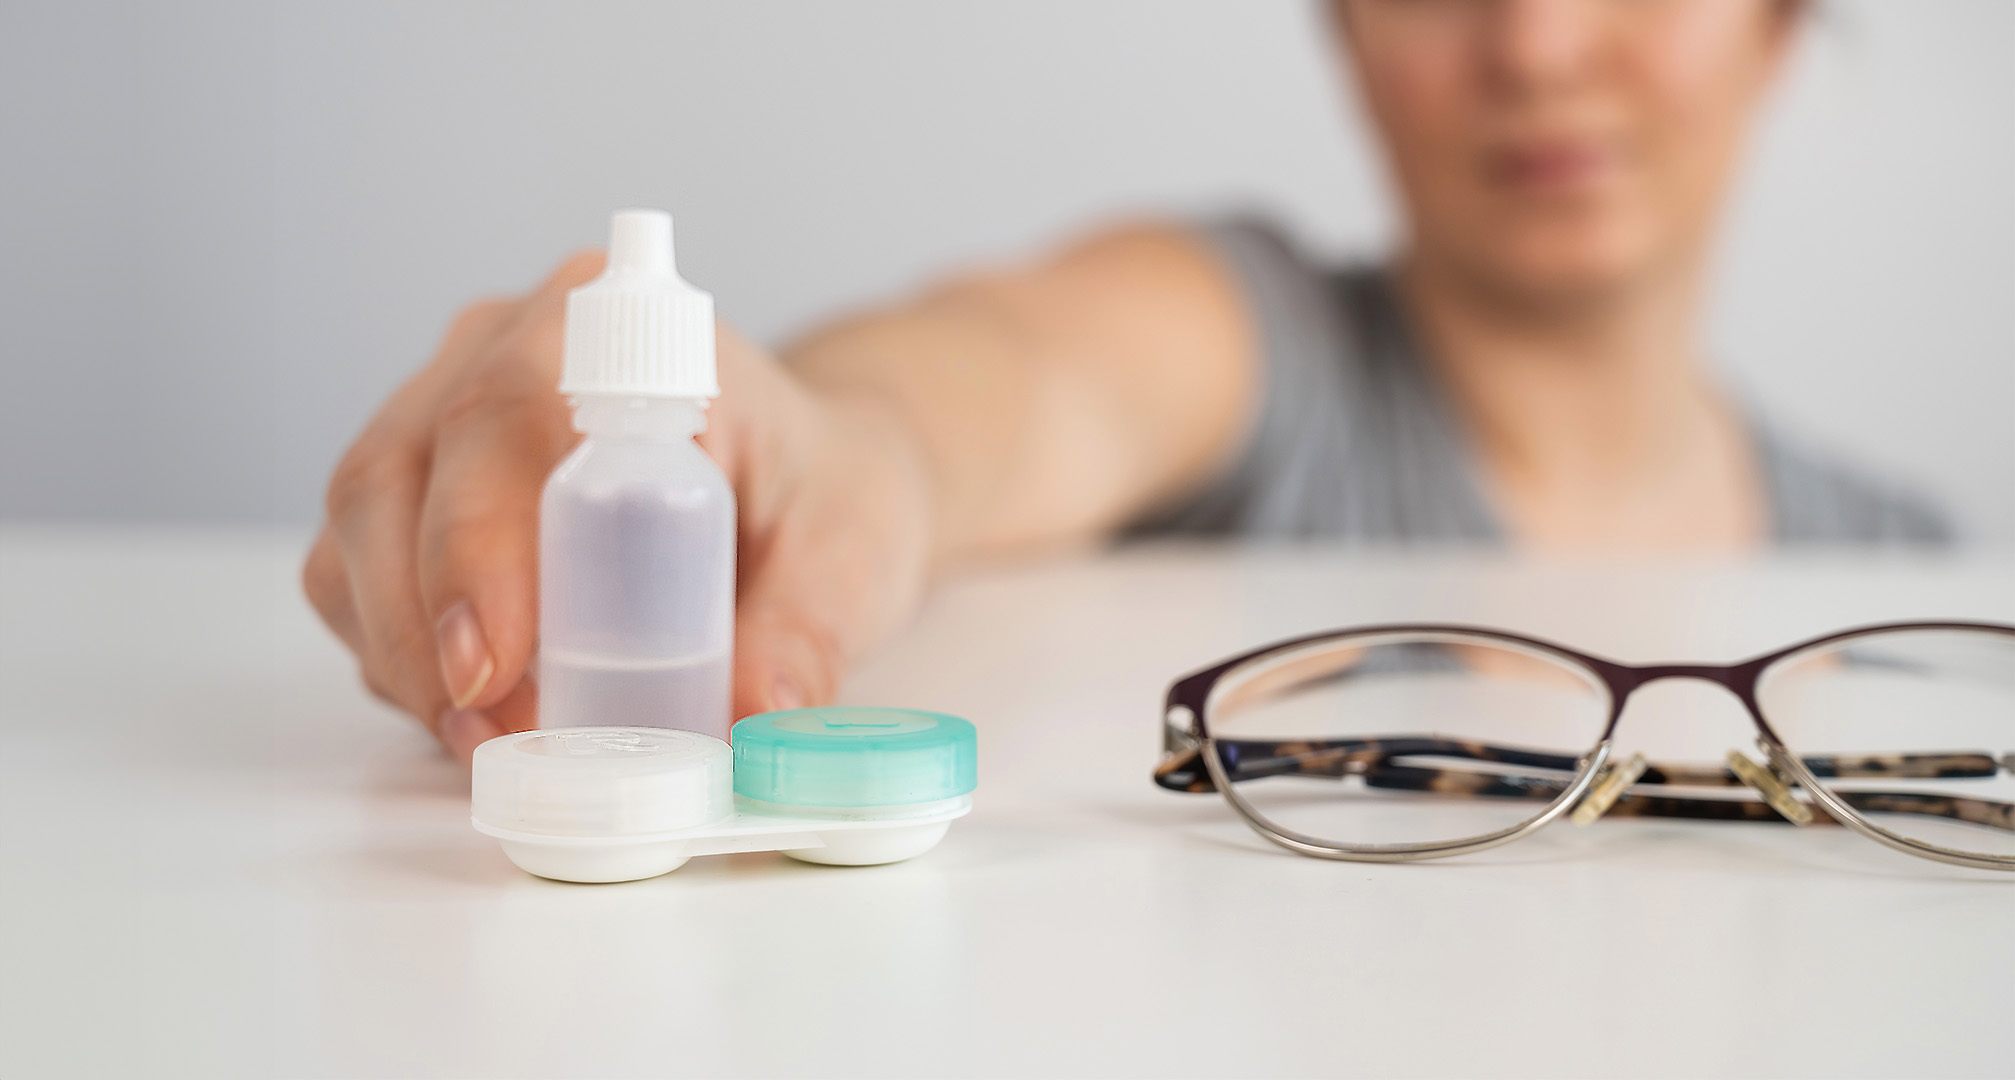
(1006, 412)
(1058, 402)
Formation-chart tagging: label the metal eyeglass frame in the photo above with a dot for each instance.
(1187, 740)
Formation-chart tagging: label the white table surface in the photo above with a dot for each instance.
(220, 858)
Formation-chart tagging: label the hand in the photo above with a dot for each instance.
(428, 565)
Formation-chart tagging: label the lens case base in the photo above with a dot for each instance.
(844, 786)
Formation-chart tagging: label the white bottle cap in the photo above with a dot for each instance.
(639, 330)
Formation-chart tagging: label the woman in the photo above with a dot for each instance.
(1526, 371)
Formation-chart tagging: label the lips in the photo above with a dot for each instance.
(1550, 166)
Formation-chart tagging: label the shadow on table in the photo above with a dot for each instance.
(456, 864)
(1214, 827)
(1209, 825)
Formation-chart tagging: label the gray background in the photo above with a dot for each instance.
(228, 229)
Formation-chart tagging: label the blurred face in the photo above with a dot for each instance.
(1559, 149)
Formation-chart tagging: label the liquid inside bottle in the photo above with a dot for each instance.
(637, 572)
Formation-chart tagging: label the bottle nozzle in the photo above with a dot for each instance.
(640, 242)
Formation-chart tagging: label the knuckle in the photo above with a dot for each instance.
(483, 545)
(359, 475)
(580, 265)
(402, 665)
(470, 525)
(323, 580)
(472, 325)
(463, 542)
(513, 393)
(485, 398)
(530, 355)
(481, 316)
(471, 401)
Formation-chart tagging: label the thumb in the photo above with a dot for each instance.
(834, 538)
(786, 657)
(843, 564)
(833, 580)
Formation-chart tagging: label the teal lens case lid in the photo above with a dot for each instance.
(847, 756)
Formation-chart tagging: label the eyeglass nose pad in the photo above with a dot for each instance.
(1770, 787)
(1611, 781)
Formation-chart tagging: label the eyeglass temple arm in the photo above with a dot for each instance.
(1988, 812)
(1249, 759)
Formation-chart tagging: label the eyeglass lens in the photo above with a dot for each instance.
(1407, 738)
(1913, 728)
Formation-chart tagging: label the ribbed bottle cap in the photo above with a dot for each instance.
(601, 781)
(844, 756)
(640, 330)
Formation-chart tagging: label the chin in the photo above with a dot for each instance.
(1555, 265)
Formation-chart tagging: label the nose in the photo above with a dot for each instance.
(1536, 44)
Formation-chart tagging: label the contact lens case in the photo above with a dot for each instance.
(846, 786)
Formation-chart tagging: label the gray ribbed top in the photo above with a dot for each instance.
(1354, 441)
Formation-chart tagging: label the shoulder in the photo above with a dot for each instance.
(1817, 498)
(1311, 319)
(1294, 333)
(1278, 280)
(1348, 440)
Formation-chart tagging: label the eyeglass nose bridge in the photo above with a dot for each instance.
(1738, 679)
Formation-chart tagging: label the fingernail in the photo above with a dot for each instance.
(462, 730)
(784, 694)
(465, 654)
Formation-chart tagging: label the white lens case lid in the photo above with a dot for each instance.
(601, 782)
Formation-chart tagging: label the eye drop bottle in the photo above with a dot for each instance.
(637, 525)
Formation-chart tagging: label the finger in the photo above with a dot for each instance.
(385, 463)
(380, 498)
(479, 538)
(833, 580)
(462, 730)
(408, 415)
(785, 658)
(499, 436)
(519, 710)
(327, 587)
(762, 420)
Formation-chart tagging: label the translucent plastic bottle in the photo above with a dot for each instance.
(637, 525)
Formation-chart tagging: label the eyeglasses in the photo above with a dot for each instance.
(1395, 743)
